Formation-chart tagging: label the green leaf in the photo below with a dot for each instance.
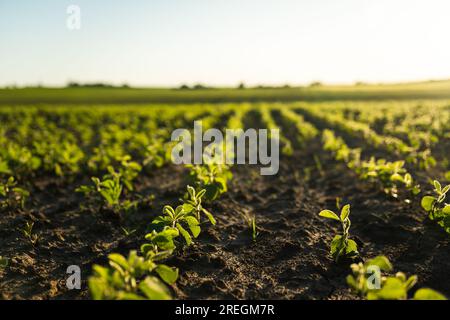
(185, 234)
(329, 214)
(337, 247)
(446, 209)
(446, 188)
(128, 296)
(345, 212)
(168, 210)
(162, 255)
(437, 186)
(212, 191)
(209, 216)
(396, 177)
(164, 241)
(428, 294)
(154, 289)
(146, 247)
(188, 208)
(415, 190)
(96, 288)
(393, 289)
(193, 225)
(118, 259)
(191, 191)
(382, 262)
(352, 282)
(201, 193)
(168, 275)
(411, 282)
(428, 202)
(351, 249)
(179, 212)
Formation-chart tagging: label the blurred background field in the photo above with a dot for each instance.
(102, 94)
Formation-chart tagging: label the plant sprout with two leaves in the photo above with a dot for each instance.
(108, 190)
(253, 228)
(174, 219)
(193, 204)
(436, 207)
(27, 231)
(341, 245)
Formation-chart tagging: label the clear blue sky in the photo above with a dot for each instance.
(223, 42)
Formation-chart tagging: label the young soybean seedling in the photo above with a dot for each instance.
(27, 231)
(193, 205)
(341, 246)
(174, 218)
(436, 207)
(253, 228)
(250, 219)
(12, 196)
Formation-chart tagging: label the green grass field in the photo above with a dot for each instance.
(83, 95)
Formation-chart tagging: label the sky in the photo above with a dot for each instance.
(224, 42)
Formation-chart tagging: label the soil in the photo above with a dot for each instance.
(289, 259)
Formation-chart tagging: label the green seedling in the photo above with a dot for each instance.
(162, 242)
(253, 228)
(342, 152)
(391, 175)
(436, 207)
(62, 157)
(27, 231)
(341, 245)
(367, 281)
(128, 232)
(128, 171)
(211, 177)
(12, 196)
(175, 219)
(250, 220)
(21, 160)
(108, 191)
(132, 278)
(192, 205)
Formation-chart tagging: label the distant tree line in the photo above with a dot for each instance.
(73, 84)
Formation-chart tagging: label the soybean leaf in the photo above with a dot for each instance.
(428, 294)
(345, 212)
(154, 289)
(329, 214)
(168, 275)
(427, 203)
